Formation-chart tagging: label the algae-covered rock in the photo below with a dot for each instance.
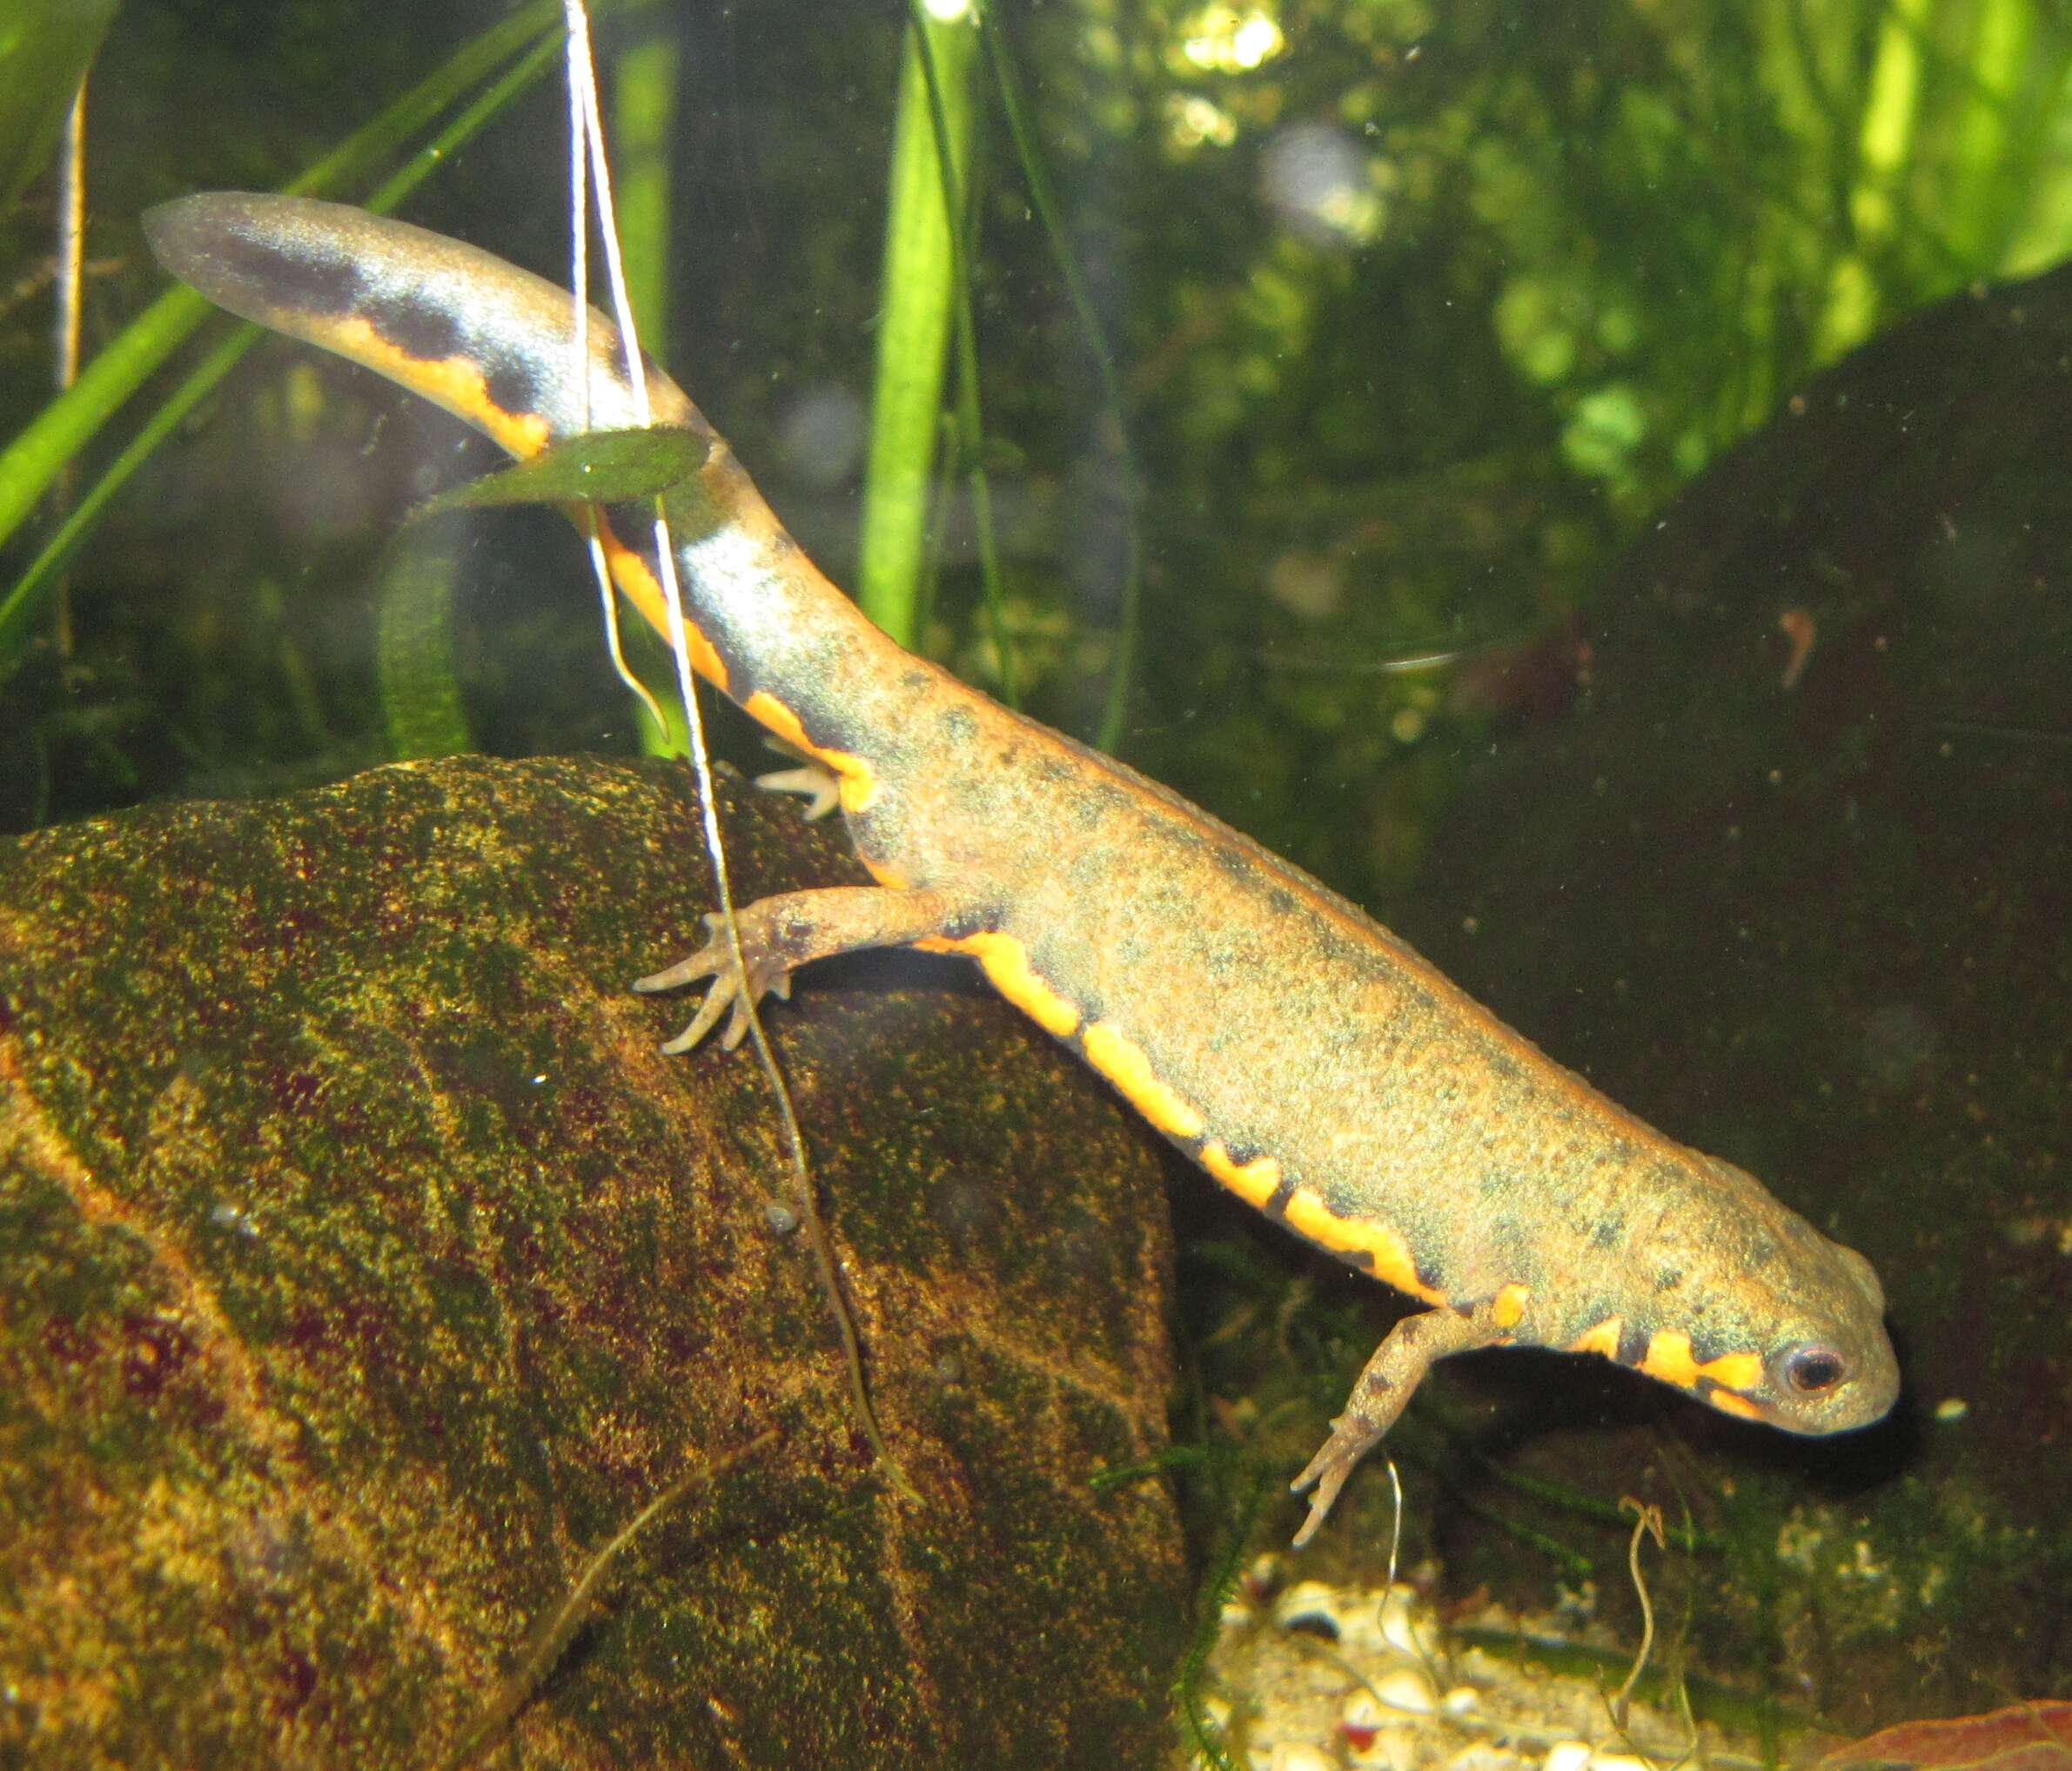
(363, 1267)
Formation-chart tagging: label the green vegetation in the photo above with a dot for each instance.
(1332, 353)
(44, 53)
(1376, 329)
(930, 168)
(69, 424)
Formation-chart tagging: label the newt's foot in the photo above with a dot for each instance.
(1398, 1366)
(1352, 1436)
(815, 781)
(767, 974)
(778, 935)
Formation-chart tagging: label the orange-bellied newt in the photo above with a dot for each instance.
(1309, 1060)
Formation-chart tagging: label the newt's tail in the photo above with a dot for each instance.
(485, 340)
(493, 345)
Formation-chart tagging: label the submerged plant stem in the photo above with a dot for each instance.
(913, 324)
(1036, 173)
(962, 206)
(551, 1637)
(588, 133)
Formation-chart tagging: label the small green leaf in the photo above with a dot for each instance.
(597, 467)
(44, 50)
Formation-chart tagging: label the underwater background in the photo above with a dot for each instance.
(1587, 480)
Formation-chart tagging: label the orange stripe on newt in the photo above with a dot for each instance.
(1308, 1215)
(1509, 1305)
(1006, 962)
(632, 574)
(1600, 1337)
(1124, 1062)
(1254, 1182)
(888, 875)
(456, 383)
(1669, 1358)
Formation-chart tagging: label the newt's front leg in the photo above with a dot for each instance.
(779, 934)
(1398, 1366)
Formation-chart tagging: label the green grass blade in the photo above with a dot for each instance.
(647, 83)
(1037, 174)
(960, 200)
(65, 426)
(32, 460)
(913, 324)
(417, 670)
(18, 608)
(29, 464)
(44, 52)
(644, 95)
(596, 467)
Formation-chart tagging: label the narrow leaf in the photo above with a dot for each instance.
(597, 467)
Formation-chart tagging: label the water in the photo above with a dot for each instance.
(1583, 514)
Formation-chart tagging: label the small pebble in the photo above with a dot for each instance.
(1263, 1580)
(1482, 1757)
(1399, 1620)
(1311, 1608)
(1350, 1680)
(1408, 1692)
(1361, 1714)
(1387, 1749)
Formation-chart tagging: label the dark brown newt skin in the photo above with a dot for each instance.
(1304, 1056)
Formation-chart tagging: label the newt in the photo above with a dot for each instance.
(1304, 1056)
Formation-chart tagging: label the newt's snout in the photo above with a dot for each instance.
(1833, 1372)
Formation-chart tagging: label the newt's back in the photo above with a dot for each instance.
(1317, 1066)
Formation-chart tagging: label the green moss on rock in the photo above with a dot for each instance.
(366, 1266)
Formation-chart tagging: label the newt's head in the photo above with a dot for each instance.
(1826, 1365)
(1744, 1304)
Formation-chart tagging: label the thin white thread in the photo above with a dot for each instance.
(578, 58)
(582, 73)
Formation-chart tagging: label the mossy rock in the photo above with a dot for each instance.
(363, 1267)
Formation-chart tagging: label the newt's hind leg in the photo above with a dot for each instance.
(1398, 1366)
(791, 930)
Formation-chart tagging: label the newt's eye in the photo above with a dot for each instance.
(1814, 1369)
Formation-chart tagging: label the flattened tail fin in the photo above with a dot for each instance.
(487, 341)
(492, 344)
